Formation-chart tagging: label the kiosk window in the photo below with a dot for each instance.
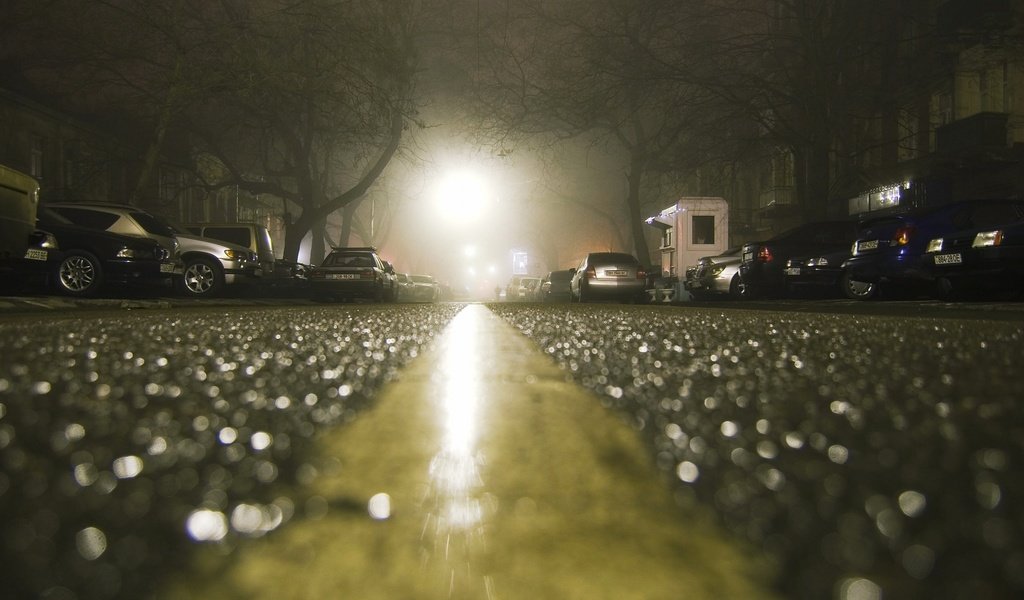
(704, 229)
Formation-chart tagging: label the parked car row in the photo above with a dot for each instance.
(956, 248)
(615, 276)
(360, 273)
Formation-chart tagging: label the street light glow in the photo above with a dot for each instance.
(461, 197)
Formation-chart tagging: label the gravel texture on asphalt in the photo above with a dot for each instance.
(871, 457)
(125, 439)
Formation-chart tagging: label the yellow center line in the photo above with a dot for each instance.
(483, 474)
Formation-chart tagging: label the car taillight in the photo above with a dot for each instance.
(366, 274)
(590, 273)
(764, 254)
(641, 273)
(903, 235)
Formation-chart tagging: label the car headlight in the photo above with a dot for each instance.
(126, 253)
(234, 254)
(717, 270)
(987, 238)
(934, 245)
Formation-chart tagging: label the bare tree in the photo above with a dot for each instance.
(574, 70)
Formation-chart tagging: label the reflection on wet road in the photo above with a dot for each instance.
(498, 479)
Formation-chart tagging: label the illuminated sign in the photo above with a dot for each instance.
(520, 263)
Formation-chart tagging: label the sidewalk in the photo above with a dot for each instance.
(482, 473)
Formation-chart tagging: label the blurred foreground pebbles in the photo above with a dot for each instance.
(124, 441)
(871, 457)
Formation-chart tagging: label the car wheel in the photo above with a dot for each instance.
(857, 290)
(736, 287)
(202, 277)
(79, 274)
(584, 296)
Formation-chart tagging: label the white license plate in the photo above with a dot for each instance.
(166, 267)
(616, 273)
(792, 270)
(867, 245)
(948, 259)
(748, 256)
(342, 276)
(35, 254)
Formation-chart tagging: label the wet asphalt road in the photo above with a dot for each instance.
(868, 456)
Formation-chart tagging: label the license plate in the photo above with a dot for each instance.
(166, 267)
(867, 245)
(616, 272)
(342, 276)
(35, 254)
(793, 271)
(748, 256)
(948, 259)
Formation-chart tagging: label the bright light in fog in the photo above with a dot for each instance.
(461, 196)
(469, 251)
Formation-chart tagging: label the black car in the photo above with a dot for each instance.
(763, 264)
(88, 260)
(820, 273)
(350, 273)
(554, 287)
(891, 251)
(982, 260)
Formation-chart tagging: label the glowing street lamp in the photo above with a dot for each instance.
(461, 197)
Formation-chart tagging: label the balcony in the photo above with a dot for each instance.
(978, 134)
(955, 16)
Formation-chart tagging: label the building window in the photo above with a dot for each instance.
(704, 229)
(36, 159)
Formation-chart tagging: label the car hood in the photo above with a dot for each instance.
(196, 243)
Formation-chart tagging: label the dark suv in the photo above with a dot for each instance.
(349, 273)
(890, 250)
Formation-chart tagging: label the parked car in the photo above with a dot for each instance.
(763, 264)
(356, 272)
(820, 273)
(249, 235)
(609, 275)
(85, 260)
(980, 260)
(208, 265)
(716, 275)
(405, 291)
(424, 289)
(512, 289)
(554, 287)
(19, 199)
(890, 250)
(529, 289)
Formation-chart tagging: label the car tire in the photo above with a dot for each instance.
(583, 296)
(202, 278)
(79, 274)
(736, 287)
(857, 290)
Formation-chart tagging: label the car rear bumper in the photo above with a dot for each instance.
(615, 287)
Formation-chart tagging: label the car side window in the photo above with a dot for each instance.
(233, 235)
(92, 219)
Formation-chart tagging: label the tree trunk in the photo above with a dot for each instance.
(636, 219)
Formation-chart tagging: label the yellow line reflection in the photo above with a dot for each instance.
(455, 512)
